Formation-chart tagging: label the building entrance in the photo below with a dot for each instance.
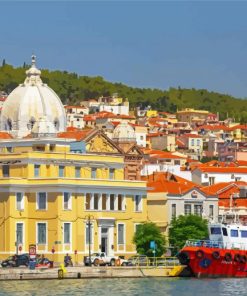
(104, 240)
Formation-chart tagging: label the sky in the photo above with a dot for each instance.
(157, 44)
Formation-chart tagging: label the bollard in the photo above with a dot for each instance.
(60, 274)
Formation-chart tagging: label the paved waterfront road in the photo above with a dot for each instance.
(127, 287)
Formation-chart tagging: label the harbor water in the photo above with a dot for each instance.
(127, 287)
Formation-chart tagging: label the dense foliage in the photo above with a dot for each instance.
(145, 233)
(73, 88)
(187, 227)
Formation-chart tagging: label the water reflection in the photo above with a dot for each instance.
(127, 287)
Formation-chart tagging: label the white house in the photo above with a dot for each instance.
(212, 175)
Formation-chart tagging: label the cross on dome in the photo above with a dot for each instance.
(33, 60)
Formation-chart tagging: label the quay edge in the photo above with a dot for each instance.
(88, 272)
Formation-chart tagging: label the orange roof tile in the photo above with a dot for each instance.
(241, 170)
(4, 135)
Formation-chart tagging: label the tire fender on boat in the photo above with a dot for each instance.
(216, 255)
(228, 257)
(237, 257)
(200, 254)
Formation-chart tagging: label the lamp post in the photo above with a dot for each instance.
(89, 217)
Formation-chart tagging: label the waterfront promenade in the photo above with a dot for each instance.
(88, 272)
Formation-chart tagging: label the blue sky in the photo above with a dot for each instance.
(140, 43)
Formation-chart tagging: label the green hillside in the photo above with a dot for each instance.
(73, 88)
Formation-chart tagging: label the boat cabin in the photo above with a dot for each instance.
(232, 236)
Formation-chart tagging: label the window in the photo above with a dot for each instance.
(211, 211)
(19, 201)
(211, 180)
(192, 142)
(88, 201)
(66, 233)
(198, 210)
(234, 233)
(120, 202)
(61, 171)
(19, 233)
(136, 227)
(41, 201)
(177, 162)
(215, 230)
(67, 201)
(174, 211)
(93, 173)
(112, 202)
(5, 171)
(87, 233)
(111, 173)
(78, 172)
(187, 210)
(9, 149)
(96, 201)
(224, 231)
(198, 142)
(36, 170)
(104, 198)
(120, 234)
(243, 233)
(138, 203)
(41, 233)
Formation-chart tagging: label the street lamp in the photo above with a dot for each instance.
(89, 218)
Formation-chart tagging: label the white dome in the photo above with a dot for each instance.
(29, 102)
(124, 133)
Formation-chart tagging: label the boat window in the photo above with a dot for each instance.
(243, 233)
(224, 231)
(234, 233)
(215, 230)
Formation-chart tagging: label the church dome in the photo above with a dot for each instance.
(124, 133)
(28, 103)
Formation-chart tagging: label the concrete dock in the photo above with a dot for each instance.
(88, 272)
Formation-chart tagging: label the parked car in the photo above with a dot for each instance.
(138, 260)
(102, 259)
(16, 261)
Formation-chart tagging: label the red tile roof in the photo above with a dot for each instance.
(168, 183)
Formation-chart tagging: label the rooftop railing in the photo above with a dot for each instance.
(216, 244)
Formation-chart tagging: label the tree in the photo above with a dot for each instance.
(145, 233)
(187, 227)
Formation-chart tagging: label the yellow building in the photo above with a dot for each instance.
(48, 195)
(52, 191)
(191, 115)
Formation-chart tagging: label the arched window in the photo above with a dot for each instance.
(9, 124)
(56, 124)
(31, 123)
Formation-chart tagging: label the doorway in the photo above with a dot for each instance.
(104, 240)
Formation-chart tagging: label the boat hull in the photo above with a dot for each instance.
(214, 262)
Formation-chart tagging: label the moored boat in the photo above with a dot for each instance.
(223, 255)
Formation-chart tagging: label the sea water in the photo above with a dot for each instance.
(127, 287)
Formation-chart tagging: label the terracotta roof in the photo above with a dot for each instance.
(161, 154)
(78, 135)
(229, 170)
(224, 189)
(75, 107)
(215, 127)
(191, 136)
(4, 135)
(239, 126)
(179, 143)
(168, 183)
